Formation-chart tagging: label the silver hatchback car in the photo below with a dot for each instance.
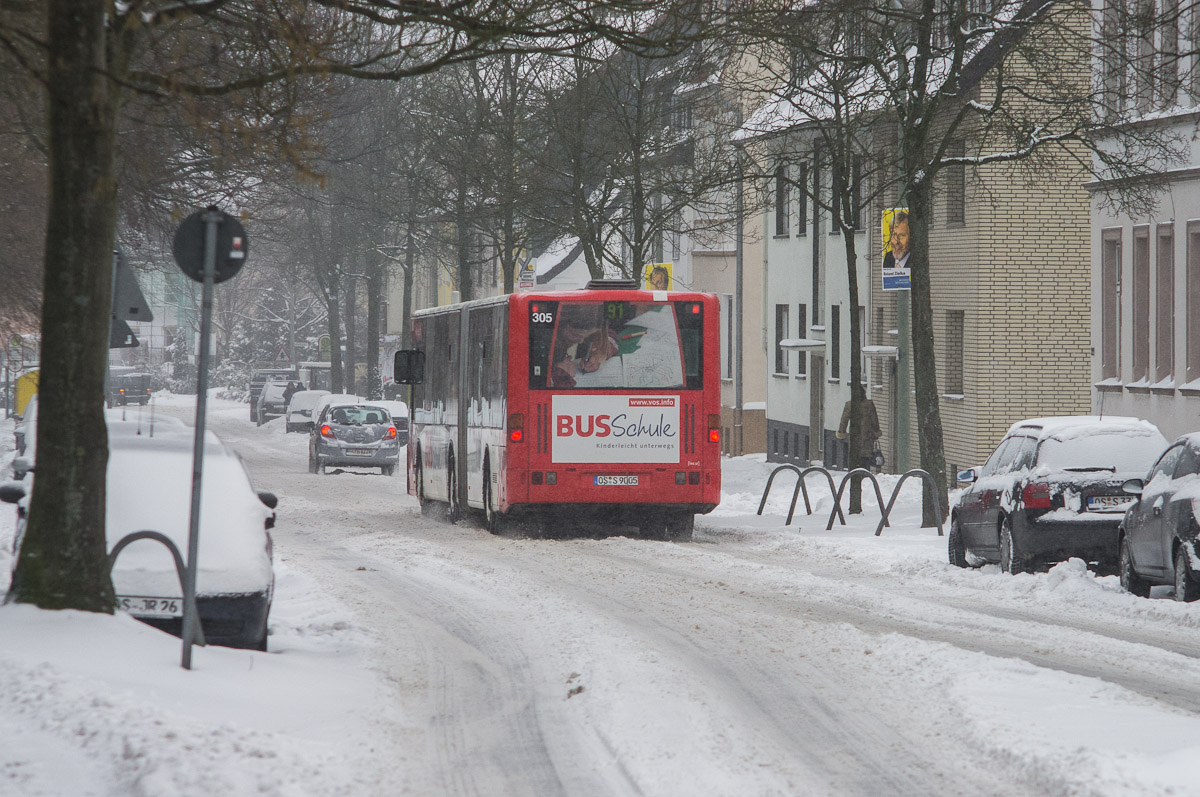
(356, 436)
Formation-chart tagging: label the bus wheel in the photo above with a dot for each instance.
(680, 527)
(451, 491)
(495, 520)
(419, 477)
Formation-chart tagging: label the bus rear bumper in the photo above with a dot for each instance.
(603, 514)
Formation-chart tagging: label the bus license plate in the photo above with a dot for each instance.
(150, 607)
(615, 481)
(359, 452)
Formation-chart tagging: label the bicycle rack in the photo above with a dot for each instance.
(837, 498)
(937, 508)
(885, 511)
(800, 488)
(188, 600)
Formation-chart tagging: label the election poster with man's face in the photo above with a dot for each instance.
(896, 240)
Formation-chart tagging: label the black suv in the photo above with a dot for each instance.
(260, 376)
(1052, 490)
(1158, 534)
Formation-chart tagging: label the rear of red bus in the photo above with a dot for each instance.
(613, 408)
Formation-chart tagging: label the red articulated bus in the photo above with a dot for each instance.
(597, 405)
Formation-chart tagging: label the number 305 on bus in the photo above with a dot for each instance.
(600, 405)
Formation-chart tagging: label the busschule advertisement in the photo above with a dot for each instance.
(626, 429)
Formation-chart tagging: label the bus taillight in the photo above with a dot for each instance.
(516, 427)
(714, 428)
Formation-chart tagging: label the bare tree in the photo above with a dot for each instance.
(922, 77)
(194, 49)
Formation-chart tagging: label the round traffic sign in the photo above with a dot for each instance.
(233, 247)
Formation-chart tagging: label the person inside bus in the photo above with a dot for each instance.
(584, 358)
(575, 325)
(594, 354)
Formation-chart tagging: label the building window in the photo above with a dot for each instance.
(727, 336)
(1144, 66)
(955, 321)
(1110, 301)
(781, 329)
(815, 193)
(782, 199)
(1193, 301)
(1194, 70)
(802, 199)
(802, 325)
(1141, 303)
(1164, 296)
(1168, 68)
(834, 343)
(956, 186)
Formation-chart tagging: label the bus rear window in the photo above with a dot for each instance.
(607, 345)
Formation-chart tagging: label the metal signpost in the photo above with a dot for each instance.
(210, 247)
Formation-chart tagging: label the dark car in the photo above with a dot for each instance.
(273, 399)
(1159, 531)
(129, 388)
(260, 377)
(353, 435)
(1050, 491)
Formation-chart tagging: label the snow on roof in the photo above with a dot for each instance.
(1067, 426)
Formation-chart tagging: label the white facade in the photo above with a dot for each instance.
(1146, 300)
(807, 387)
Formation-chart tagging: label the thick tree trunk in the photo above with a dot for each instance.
(63, 560)
(351, 323)
(462, 246)
(410, 260)
(857, 445)
(333, 320)
(929, 417)
(374, 299)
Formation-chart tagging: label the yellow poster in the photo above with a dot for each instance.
(895, 237)
(657, 276)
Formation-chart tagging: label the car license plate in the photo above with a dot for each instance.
(359, 452)
(150, 607)
(615, 481)
(1108, 503)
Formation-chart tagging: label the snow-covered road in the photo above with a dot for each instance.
(759, 659)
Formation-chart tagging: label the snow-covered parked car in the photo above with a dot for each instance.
(356, 436)
(1158, 534)
(149, 489)
(1050, 491)
(300, 409)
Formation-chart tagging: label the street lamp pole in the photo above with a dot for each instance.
(738, 443)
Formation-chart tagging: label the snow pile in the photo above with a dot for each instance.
(765, 658)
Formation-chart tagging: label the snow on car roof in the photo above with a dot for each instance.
(1067, 426)
(149, 487)
(396, 408)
